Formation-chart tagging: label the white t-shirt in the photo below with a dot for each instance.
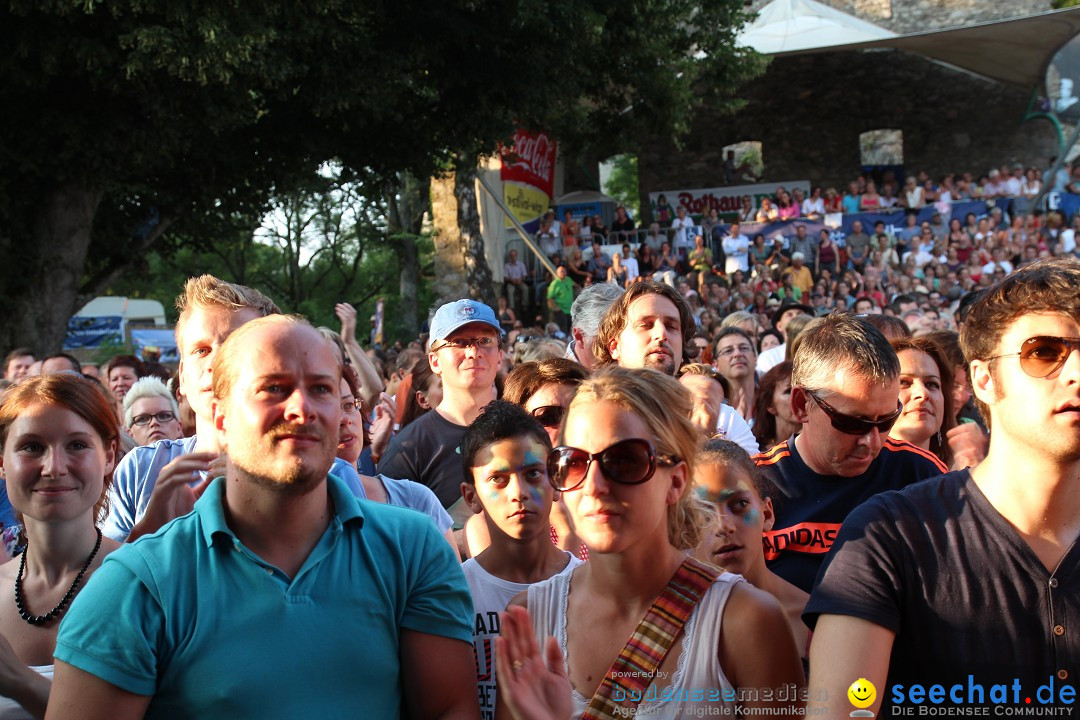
(632, 270)
(680, 226)
(1068, 240)
(737, 249)
(490, 596)
(813, 207)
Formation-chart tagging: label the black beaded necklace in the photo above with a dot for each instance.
(59, 609)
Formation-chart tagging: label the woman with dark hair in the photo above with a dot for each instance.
(759, 251)
(646, 261)
(769, 338)
(926, 380)
(774, 421)
(578, 269)
(426, 392)
(828, 255)
(59, 439)
(786, 209)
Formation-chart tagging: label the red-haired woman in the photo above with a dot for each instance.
(59, 439)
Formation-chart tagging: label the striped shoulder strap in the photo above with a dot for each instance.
(636, 666)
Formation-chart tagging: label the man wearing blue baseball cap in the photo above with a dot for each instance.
(465, 351)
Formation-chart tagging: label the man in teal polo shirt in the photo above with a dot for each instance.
(282, 595)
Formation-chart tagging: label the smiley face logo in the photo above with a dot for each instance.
(862, 693)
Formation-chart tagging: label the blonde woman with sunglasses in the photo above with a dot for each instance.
(624, 466)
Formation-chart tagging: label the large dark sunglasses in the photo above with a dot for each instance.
(550, 416)
(1043, 355)
(851, 425)
(628, 462)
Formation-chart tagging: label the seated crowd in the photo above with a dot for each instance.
(735, 490)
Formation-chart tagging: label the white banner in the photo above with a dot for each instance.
(728, 199)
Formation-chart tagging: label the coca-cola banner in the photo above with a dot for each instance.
(530, 161)
(699, 203)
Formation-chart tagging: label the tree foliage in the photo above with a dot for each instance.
(130, 121)
(623, 183)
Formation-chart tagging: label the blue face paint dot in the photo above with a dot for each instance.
(493, 495)
(751, 517)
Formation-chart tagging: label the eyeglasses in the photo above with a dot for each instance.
(486, 342)
(550, 416)
(162, 418)
(350, 407)
(1043, 355)
(628, 462)
(851, 425)
(732, 349)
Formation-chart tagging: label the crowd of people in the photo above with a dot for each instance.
(721, 266)
(640, 504)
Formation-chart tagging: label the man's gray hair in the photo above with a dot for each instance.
(591, 305)
(149, 386)
(841, 342)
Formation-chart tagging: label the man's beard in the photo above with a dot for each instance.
(298, 477)
(661, 363)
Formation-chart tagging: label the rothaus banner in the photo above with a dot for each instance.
(699, 203)
(528, 175)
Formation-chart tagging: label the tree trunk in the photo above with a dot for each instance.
(407, 201)
(451, 280)
(40, 292)
(478, 273)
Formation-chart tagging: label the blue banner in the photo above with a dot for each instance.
(840, 226)
(149, 342)
(1068, 204)
(93, 332)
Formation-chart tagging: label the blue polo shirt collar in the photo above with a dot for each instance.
(211, 509)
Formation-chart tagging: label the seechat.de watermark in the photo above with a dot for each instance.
(972, 698)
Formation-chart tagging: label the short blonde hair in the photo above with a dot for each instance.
(665, 406)
(208, 291)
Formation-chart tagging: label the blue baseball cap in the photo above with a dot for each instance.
(458, 314)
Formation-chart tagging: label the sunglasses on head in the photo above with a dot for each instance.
(1043, 355)
(851, 425)
(628, 462)
(550, 416)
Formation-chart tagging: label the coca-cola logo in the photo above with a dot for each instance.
(531, 153)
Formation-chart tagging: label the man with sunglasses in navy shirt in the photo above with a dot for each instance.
(965, 590)
(845, 386)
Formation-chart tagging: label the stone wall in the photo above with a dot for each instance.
(808, 112)
(905, 16)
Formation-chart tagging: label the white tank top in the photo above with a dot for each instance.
(699, 681)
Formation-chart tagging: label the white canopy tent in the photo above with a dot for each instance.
(1013, 51)
(794, 26)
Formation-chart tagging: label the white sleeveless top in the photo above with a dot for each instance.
(699, 681)
(11, 710)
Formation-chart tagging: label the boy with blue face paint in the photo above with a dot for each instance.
(504, 453)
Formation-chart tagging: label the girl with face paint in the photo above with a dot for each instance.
(726, 477)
